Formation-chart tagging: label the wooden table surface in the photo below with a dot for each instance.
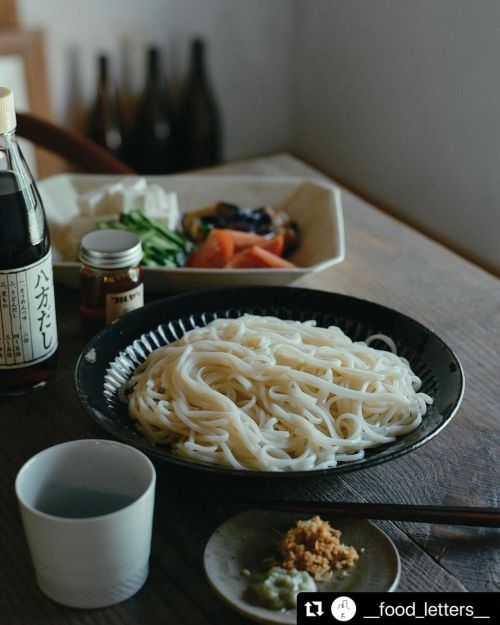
(386, 262)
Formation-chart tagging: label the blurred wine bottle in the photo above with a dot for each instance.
(153, 148)
(105, 125)
(199, 132)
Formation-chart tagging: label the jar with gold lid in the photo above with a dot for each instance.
(110, 277)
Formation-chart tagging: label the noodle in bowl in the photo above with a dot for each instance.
(267, 394)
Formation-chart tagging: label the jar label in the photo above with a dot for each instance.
(28, 330)
(117, 304)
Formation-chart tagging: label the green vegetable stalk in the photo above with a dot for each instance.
(162, 247)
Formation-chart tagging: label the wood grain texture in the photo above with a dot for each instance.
(386, 262)
(8, 14)
(392, 264)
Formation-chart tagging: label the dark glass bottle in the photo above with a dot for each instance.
(199, 132)
(105, 125)
(28, 331)
(153, 148)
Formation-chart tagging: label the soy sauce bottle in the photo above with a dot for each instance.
(199, 131)
(153, 149)
(28, 332)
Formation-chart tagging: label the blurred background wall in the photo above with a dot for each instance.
(401, 99)
(250, 47)
(398, 98)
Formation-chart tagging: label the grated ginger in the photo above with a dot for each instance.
(314, 546)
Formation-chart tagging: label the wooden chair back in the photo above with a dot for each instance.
(69, 145)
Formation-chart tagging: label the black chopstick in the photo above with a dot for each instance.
(446, 515)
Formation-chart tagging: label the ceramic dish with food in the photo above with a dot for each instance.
(313, 207)
(323, 425)
(236, 555)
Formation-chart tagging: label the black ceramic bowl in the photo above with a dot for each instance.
(112, 355)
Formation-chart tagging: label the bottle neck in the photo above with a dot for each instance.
(153, 70)
(103, 70)
(8, 140)
(12, 159)
(198, 59)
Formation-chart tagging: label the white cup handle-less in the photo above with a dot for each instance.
(88, 561)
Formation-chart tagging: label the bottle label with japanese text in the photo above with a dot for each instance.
(28, 330)
(117, 304)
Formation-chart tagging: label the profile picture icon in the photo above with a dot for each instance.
(343, 609)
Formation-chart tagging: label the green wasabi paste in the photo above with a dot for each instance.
(278, 588)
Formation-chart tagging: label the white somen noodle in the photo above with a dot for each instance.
(267, 394)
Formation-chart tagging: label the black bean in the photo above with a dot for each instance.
(217, 221)
(261, 215)
(263, 229)
(243, 226)
(229, 211)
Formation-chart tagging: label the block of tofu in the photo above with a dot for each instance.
(123, 197)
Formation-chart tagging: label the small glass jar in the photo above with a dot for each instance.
(110, 277)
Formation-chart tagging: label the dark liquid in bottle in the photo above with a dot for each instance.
(105, 125)
(24, 239)
(199, 131)
(153, 132)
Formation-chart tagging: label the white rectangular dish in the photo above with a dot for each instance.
(313, 204)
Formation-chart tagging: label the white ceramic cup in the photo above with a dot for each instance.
(87, 510)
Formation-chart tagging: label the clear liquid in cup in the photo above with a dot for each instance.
(79, 503)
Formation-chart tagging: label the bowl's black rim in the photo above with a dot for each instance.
(344, 467)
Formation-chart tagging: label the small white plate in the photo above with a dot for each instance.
(313, 204)
(244, 540)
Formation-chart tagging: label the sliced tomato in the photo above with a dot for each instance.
(245, 239)
(257, 258)
(242, 240)
(215, 251)
(276, 245)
